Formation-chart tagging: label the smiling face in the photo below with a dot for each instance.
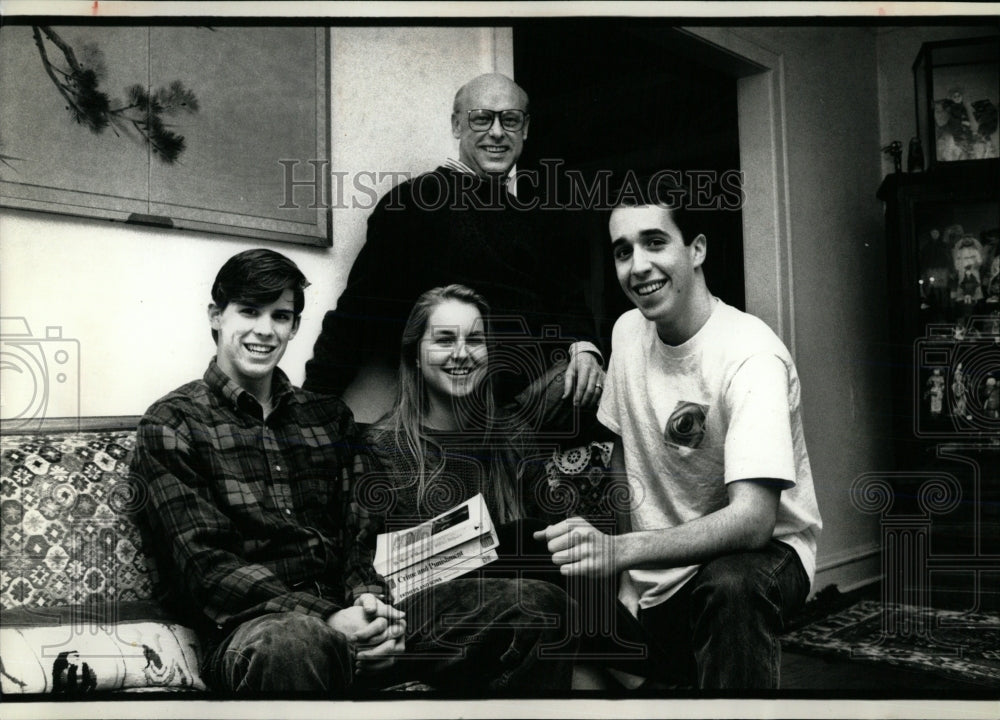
(967, 258)
(252, 339)
(493, 151)
(452, 353)
(659, 273)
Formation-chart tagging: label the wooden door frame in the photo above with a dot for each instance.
(767, 242)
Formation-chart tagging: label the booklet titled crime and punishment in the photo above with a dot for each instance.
(445, 547)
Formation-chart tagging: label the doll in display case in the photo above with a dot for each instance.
(935, 392)
(965, 130)
(960, 395)
(968, 260)
(991, 398)
(958, 331)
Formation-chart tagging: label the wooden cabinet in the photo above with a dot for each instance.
(943, 245)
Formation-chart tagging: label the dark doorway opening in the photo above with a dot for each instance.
(609, 95)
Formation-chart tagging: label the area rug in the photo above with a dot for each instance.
(961, 645)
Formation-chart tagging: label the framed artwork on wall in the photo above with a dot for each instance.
(189, 127)
(957, 90)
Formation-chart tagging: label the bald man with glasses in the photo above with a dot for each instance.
(460, 223)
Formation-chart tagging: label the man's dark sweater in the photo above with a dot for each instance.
(447, 227)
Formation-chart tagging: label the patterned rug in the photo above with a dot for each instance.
(960, 645)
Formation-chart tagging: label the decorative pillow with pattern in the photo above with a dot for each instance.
(65, 537)
(580, 483)
(76, 659)
(74, 582)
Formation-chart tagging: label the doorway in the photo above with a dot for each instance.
(618, 95)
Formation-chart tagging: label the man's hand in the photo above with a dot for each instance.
(376, 628)
(378, 651)
(584, 378)
(578, 548)
(380, 657)
(385, 621)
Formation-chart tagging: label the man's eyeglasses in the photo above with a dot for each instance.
(509, 119)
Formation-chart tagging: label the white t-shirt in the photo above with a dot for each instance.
(721, 407)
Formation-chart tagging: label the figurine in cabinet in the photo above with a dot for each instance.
(968, 257)
(935, 391)
(959, 395)
(991, 398)
(965, 129)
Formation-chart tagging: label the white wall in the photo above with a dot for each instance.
(837, 294)
(135, 297)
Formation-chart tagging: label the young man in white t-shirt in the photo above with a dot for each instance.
(705, 402)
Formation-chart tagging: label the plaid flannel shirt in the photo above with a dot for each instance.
(246, 516)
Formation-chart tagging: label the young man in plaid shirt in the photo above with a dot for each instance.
(245, 482)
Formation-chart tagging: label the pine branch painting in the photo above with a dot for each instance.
(140, 116)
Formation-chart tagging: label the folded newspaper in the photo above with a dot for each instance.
(443, 548)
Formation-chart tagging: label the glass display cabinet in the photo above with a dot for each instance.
(943, 262)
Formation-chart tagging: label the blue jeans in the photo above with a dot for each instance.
(721, 629)
(284, 652)
(465, 637)
(481, 635)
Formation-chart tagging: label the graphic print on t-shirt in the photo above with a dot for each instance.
(686, 424)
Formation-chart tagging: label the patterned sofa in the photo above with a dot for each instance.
(74, 583)
(76, 593)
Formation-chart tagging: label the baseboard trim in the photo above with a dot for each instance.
(850, 569)
(850, 555)
(860, 584)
